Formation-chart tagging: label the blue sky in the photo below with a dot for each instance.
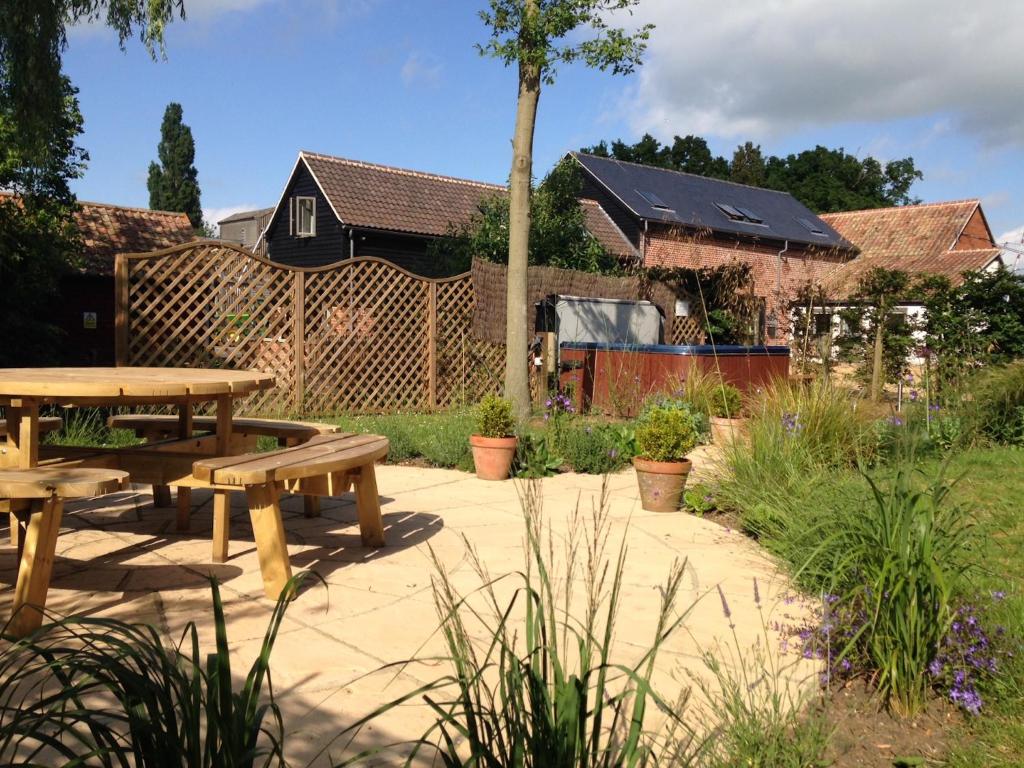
(399, 82)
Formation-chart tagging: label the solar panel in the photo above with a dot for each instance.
(654, 200)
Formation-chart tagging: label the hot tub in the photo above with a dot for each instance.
(615, 378)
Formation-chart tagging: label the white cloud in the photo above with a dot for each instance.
(740, 68)
(421, 69)
(1014, 259)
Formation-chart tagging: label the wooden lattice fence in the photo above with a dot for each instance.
(362, 335)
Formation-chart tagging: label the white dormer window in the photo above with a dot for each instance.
(305, 216)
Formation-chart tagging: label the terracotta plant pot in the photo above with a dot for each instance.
(725, 431)
(661, 483)
(493, 456)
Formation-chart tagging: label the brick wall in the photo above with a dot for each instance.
(798, 267)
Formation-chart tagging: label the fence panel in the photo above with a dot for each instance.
(362, 335)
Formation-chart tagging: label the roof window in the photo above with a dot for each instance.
(812, 227)
(742, 215)
(654, 200)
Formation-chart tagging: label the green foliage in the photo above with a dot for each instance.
(877, 294)
(995, 410)
(558, 233)
(33, 36)
(825, 180)
(903, 561)
(980, 321)
(748, 165)
(689, 154)
(535, 457)
(553, 33)
(38, 239)
(494, 417)
(699, 499)
(173, 182)
(596, 449)
(665, 434)
(439, 439)
(114, 694)
(88, 426)
(726, 401)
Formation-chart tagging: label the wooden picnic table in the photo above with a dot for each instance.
(24, 390)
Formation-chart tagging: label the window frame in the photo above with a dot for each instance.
(298, 199)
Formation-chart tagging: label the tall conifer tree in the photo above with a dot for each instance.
(173, 182)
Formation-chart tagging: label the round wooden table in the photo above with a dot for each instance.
(23, 390)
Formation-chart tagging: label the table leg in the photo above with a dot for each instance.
(221, 525)
(22, 451)
(268, 530)
(36, 566)
(371, 527)
(184, 501)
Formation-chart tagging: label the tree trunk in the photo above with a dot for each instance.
(876, 366)
(517, 385)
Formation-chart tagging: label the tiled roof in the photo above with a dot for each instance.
(677, 198)
(107, 230)
(912, 238)
(605, 231)
(395, 199)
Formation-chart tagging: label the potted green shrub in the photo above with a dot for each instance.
(664, 436)
(494, 443)
(725, 414)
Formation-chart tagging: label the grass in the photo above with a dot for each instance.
(992, 484)
(88, 427)
(439, 439)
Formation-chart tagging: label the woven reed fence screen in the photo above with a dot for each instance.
(359, 336)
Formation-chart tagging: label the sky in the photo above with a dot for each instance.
(400, 82)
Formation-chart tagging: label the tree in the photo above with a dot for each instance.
(39, 123)
(881, 340)
(558, 231)
(532, 35)
(825, 180)
(689, 154)
(748, 165)
(174, 183)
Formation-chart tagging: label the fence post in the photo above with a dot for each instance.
(121, 319)
(432, 345)
(299, 337)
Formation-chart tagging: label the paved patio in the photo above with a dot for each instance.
(117, 556)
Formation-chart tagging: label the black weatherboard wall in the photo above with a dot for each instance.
(330, 243)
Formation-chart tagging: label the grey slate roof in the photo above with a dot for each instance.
(243, 215)
(689, 200)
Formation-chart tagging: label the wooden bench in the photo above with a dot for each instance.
(154, 427)
(45, 489)
(46, 424)
(326, 465)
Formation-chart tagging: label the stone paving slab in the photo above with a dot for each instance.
(120, 557)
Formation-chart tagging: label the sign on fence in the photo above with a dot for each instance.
(360, 336)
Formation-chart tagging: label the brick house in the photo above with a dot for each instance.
(675, 219)
(935, 238)
(944, 239)
(85, 312)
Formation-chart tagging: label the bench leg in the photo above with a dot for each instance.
(268, 530)
(221, 525)
(184, 508)
(162, 496)
(371, 527)
(311, 506)
(36, 566)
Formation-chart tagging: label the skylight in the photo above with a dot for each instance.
(811, 227)
(742, 215)
(654, 200)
